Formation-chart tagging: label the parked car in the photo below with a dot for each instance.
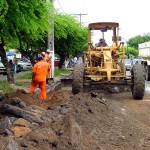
(56, 61)
(2, 68)
(19, 68)
(25, 63)
(128, 63)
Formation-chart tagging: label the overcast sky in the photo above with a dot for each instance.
(132, 15)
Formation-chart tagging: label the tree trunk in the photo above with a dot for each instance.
(10, 76)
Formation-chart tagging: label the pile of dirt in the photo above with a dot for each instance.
(29, 123)
(95, 120)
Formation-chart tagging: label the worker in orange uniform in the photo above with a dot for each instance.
(47, 58)
(39, 73)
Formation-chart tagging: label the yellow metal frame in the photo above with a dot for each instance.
(103, 62)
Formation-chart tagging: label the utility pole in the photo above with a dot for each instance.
(50, 41)
(80, 15)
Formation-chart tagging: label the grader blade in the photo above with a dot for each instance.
(66, 80)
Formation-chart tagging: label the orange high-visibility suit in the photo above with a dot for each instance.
(39, 71)
(47, 59)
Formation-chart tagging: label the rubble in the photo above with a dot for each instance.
(85, 121)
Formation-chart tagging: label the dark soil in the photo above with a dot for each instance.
(102, 119)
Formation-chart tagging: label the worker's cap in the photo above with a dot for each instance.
(43, 53)
(40, 57)
(48, 50)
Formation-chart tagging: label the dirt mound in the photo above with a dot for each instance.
(54, 124)
(97, 120)
(29, 123)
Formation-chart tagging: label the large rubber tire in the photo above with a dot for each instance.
(138, 80)
(147, 73)
(77, 80)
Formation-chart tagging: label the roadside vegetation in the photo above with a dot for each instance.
(62, 70)
(26, 75)
(132, 44)
(5, 87)
(57, 72)
(28, 33)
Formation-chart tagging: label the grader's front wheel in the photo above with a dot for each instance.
(138, 80)
(77, 81)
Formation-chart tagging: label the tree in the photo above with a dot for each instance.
(70, 37)
(133, 42)
(131, 51)
(22, 23)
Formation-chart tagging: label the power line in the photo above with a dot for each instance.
(60, 6)
(80, 15)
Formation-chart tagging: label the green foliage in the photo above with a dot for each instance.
(70, 37)
(133, 42)
(25, 21)
(57, 72)
(5, 87)
(3, 10)
(25, 24)
(131, 51)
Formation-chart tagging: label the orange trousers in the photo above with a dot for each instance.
(42, 86)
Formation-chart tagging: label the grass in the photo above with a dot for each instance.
(5, 87)
(22, 83)
(27, 75)
(24, 79)
(59, 71)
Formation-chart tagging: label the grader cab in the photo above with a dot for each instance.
(103, 64)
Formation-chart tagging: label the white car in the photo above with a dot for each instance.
(2, 68)
(25, 63)
(128, 63)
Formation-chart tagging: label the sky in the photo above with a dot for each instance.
(132, 15)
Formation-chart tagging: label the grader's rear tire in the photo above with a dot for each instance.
(77, 81)
(138, 79)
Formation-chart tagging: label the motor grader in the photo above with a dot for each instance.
(105, 64)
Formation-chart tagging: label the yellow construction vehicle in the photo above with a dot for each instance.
(103, 64)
